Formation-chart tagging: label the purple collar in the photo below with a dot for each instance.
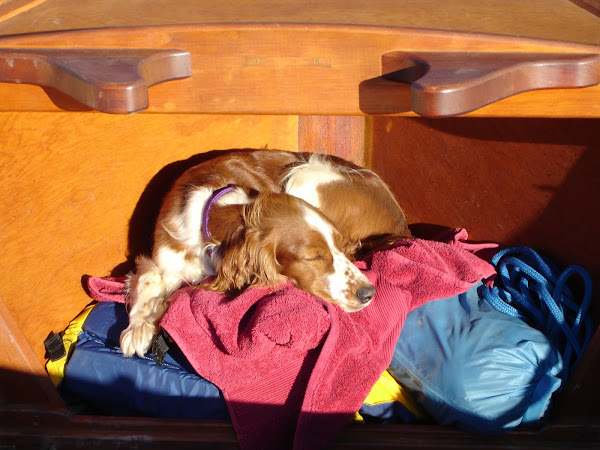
(216, 195)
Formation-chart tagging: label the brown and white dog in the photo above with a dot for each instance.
(262, 217)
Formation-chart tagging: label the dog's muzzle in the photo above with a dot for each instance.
(365, 294)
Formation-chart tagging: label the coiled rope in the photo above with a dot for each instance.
(532, 288)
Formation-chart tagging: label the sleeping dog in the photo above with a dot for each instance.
(260, 218)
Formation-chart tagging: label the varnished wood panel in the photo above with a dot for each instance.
(12, 8)
(526, 181)
(34, 429)
(298, 69)
(445, 84)
(69, 185)
(548, 19)
(342, 136)
(24, 380)
(592, 6)
(106, 80)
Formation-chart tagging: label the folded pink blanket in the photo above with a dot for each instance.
(293, 368)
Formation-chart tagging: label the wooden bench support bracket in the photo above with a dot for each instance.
(107, 80)
(454, 83)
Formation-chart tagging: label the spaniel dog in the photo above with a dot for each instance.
(259, 218)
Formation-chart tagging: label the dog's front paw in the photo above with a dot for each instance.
(137, 338)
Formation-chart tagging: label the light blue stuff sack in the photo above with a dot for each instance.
(475, 367)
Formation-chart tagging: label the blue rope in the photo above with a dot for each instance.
(532, 288)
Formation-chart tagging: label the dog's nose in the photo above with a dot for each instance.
(365, 294)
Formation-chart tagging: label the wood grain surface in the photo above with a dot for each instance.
(71, 183)
(251, 69)
(444, 84)
(515, 181)
(546, 19)
(12, 8)
(106, 80)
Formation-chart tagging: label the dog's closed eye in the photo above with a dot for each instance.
(315, 257)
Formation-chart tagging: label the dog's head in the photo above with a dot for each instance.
(283, 237)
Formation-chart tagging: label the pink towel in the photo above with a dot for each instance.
(107, 289)
(293, 368)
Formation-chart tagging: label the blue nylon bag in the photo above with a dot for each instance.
(475, 367)
(98, 374)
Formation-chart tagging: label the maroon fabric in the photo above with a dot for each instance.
(293, 368)
(107, 289)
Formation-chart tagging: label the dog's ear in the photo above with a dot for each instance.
(249, 258)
